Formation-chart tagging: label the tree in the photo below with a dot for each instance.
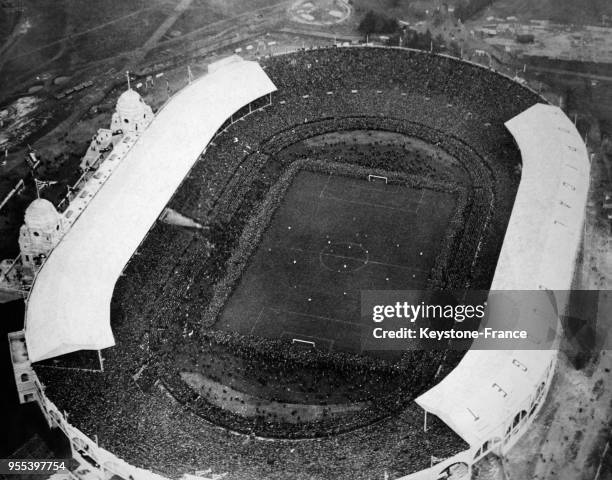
(374, 22)
(465, 11)
(425, 40)
(454, 49)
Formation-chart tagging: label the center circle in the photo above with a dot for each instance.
(343, 257)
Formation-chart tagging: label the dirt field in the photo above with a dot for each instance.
(68, 33)
(585, 12)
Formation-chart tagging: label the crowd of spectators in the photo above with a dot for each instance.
(140, 409)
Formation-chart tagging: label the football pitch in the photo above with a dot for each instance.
(332, 237)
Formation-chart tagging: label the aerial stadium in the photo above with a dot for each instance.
(229, 339)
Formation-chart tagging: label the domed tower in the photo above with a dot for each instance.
(42, 229)
(132, 113)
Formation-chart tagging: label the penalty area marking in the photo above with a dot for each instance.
(324, 195)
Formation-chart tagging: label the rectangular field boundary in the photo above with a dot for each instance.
(373, 178)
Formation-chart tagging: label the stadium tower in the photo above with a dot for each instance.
(40, 233)
(133, 114)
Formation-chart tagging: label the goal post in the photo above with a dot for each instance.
(377, 178)
(303, 342)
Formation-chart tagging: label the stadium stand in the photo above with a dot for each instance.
(69, 305)
(491, 396)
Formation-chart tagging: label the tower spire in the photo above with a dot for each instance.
(127, 74)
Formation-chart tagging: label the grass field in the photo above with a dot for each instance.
(332, 237)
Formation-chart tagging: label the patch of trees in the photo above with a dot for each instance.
(374, 22)
(422, 41)
(425, 41)
(465, 11)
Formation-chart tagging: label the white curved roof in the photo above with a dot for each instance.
(538, 253)
(129, 102)
(68, 308)
(41, 214)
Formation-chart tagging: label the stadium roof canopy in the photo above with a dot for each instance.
(68, 308)
(538, 253)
